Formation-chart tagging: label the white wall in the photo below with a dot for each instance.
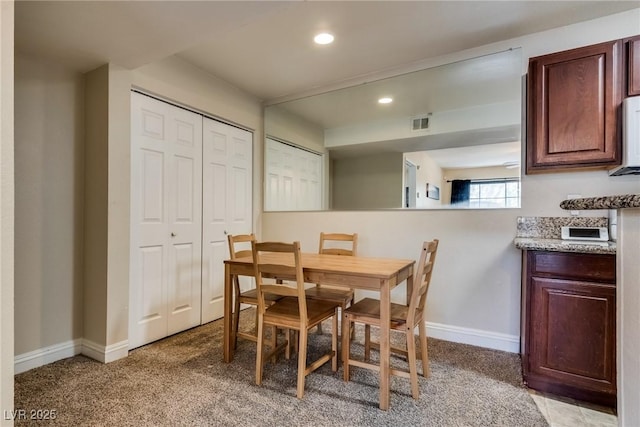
(370, 182)
(6, 207)
(106, 231)
(440, 122)
(281, 124)
(628, 317)
(49, 149)
(428, 171)
(476, 283)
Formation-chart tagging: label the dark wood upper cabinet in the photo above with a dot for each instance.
(573, 109)
(633, 66)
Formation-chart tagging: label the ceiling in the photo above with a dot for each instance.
(266, 47)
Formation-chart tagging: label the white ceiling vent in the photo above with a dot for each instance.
(420, 123)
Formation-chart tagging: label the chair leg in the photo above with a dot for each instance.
(352, 331)
(334, 342)
(256, 320)
(287, 351)
(295, 338)
(346, 347)
(424, 354)
(413, 366)
(274, 343)
(236, 321)
(302, 361)
(259, 353)
(367, 342)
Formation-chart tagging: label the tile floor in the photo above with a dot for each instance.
(565, 412)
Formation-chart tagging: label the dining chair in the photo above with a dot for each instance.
(239, 247)
(335, 244)
(293, 312)
(403, 318)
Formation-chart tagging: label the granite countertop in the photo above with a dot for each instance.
(543, 234)
(608, 202)
(559, 245)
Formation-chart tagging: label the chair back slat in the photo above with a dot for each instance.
(332, 244)
(291, 270)
(233, 240)
(421, 281)
(235, 252)
(281, 289)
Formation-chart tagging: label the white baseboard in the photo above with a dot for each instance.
(105, 354)
(477, 337)
(43, 356)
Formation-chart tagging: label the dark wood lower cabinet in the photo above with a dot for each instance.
(569, 325)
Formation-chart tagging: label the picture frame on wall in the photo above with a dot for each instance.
(433, 192)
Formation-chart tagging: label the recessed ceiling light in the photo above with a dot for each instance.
(385, 100)
(323, 38)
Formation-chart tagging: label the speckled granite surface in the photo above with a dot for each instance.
(558, 245)
(543, 234)
(549, 227)
(609, 202)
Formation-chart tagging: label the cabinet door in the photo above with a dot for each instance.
(572, 333)
(573, 117)
(633, 66)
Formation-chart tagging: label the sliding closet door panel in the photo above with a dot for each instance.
(148, 296)
(166, 180)
(185, 216)
(241, 182)
(310, 184)
(227, 208)
(293, 178)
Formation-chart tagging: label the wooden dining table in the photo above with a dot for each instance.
(372, 274)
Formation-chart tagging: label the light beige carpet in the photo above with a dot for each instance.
(182, 381)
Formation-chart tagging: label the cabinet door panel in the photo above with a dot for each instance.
(574, 98)
(574, 329)
(633, 66)
(575, 113)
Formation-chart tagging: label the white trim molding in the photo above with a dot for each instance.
(105, 354)
(477, 337)
(43, 356)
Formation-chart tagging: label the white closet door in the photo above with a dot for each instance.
(227, 207)
(166, 220)
(310, 167)
(293, 178)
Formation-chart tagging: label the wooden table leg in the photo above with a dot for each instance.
(227, 345)
(385, 344)
(409, 288)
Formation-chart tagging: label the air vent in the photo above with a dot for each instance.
(419, 123)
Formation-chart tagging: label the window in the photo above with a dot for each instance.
(494, 193)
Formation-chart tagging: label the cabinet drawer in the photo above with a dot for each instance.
(590, 267)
